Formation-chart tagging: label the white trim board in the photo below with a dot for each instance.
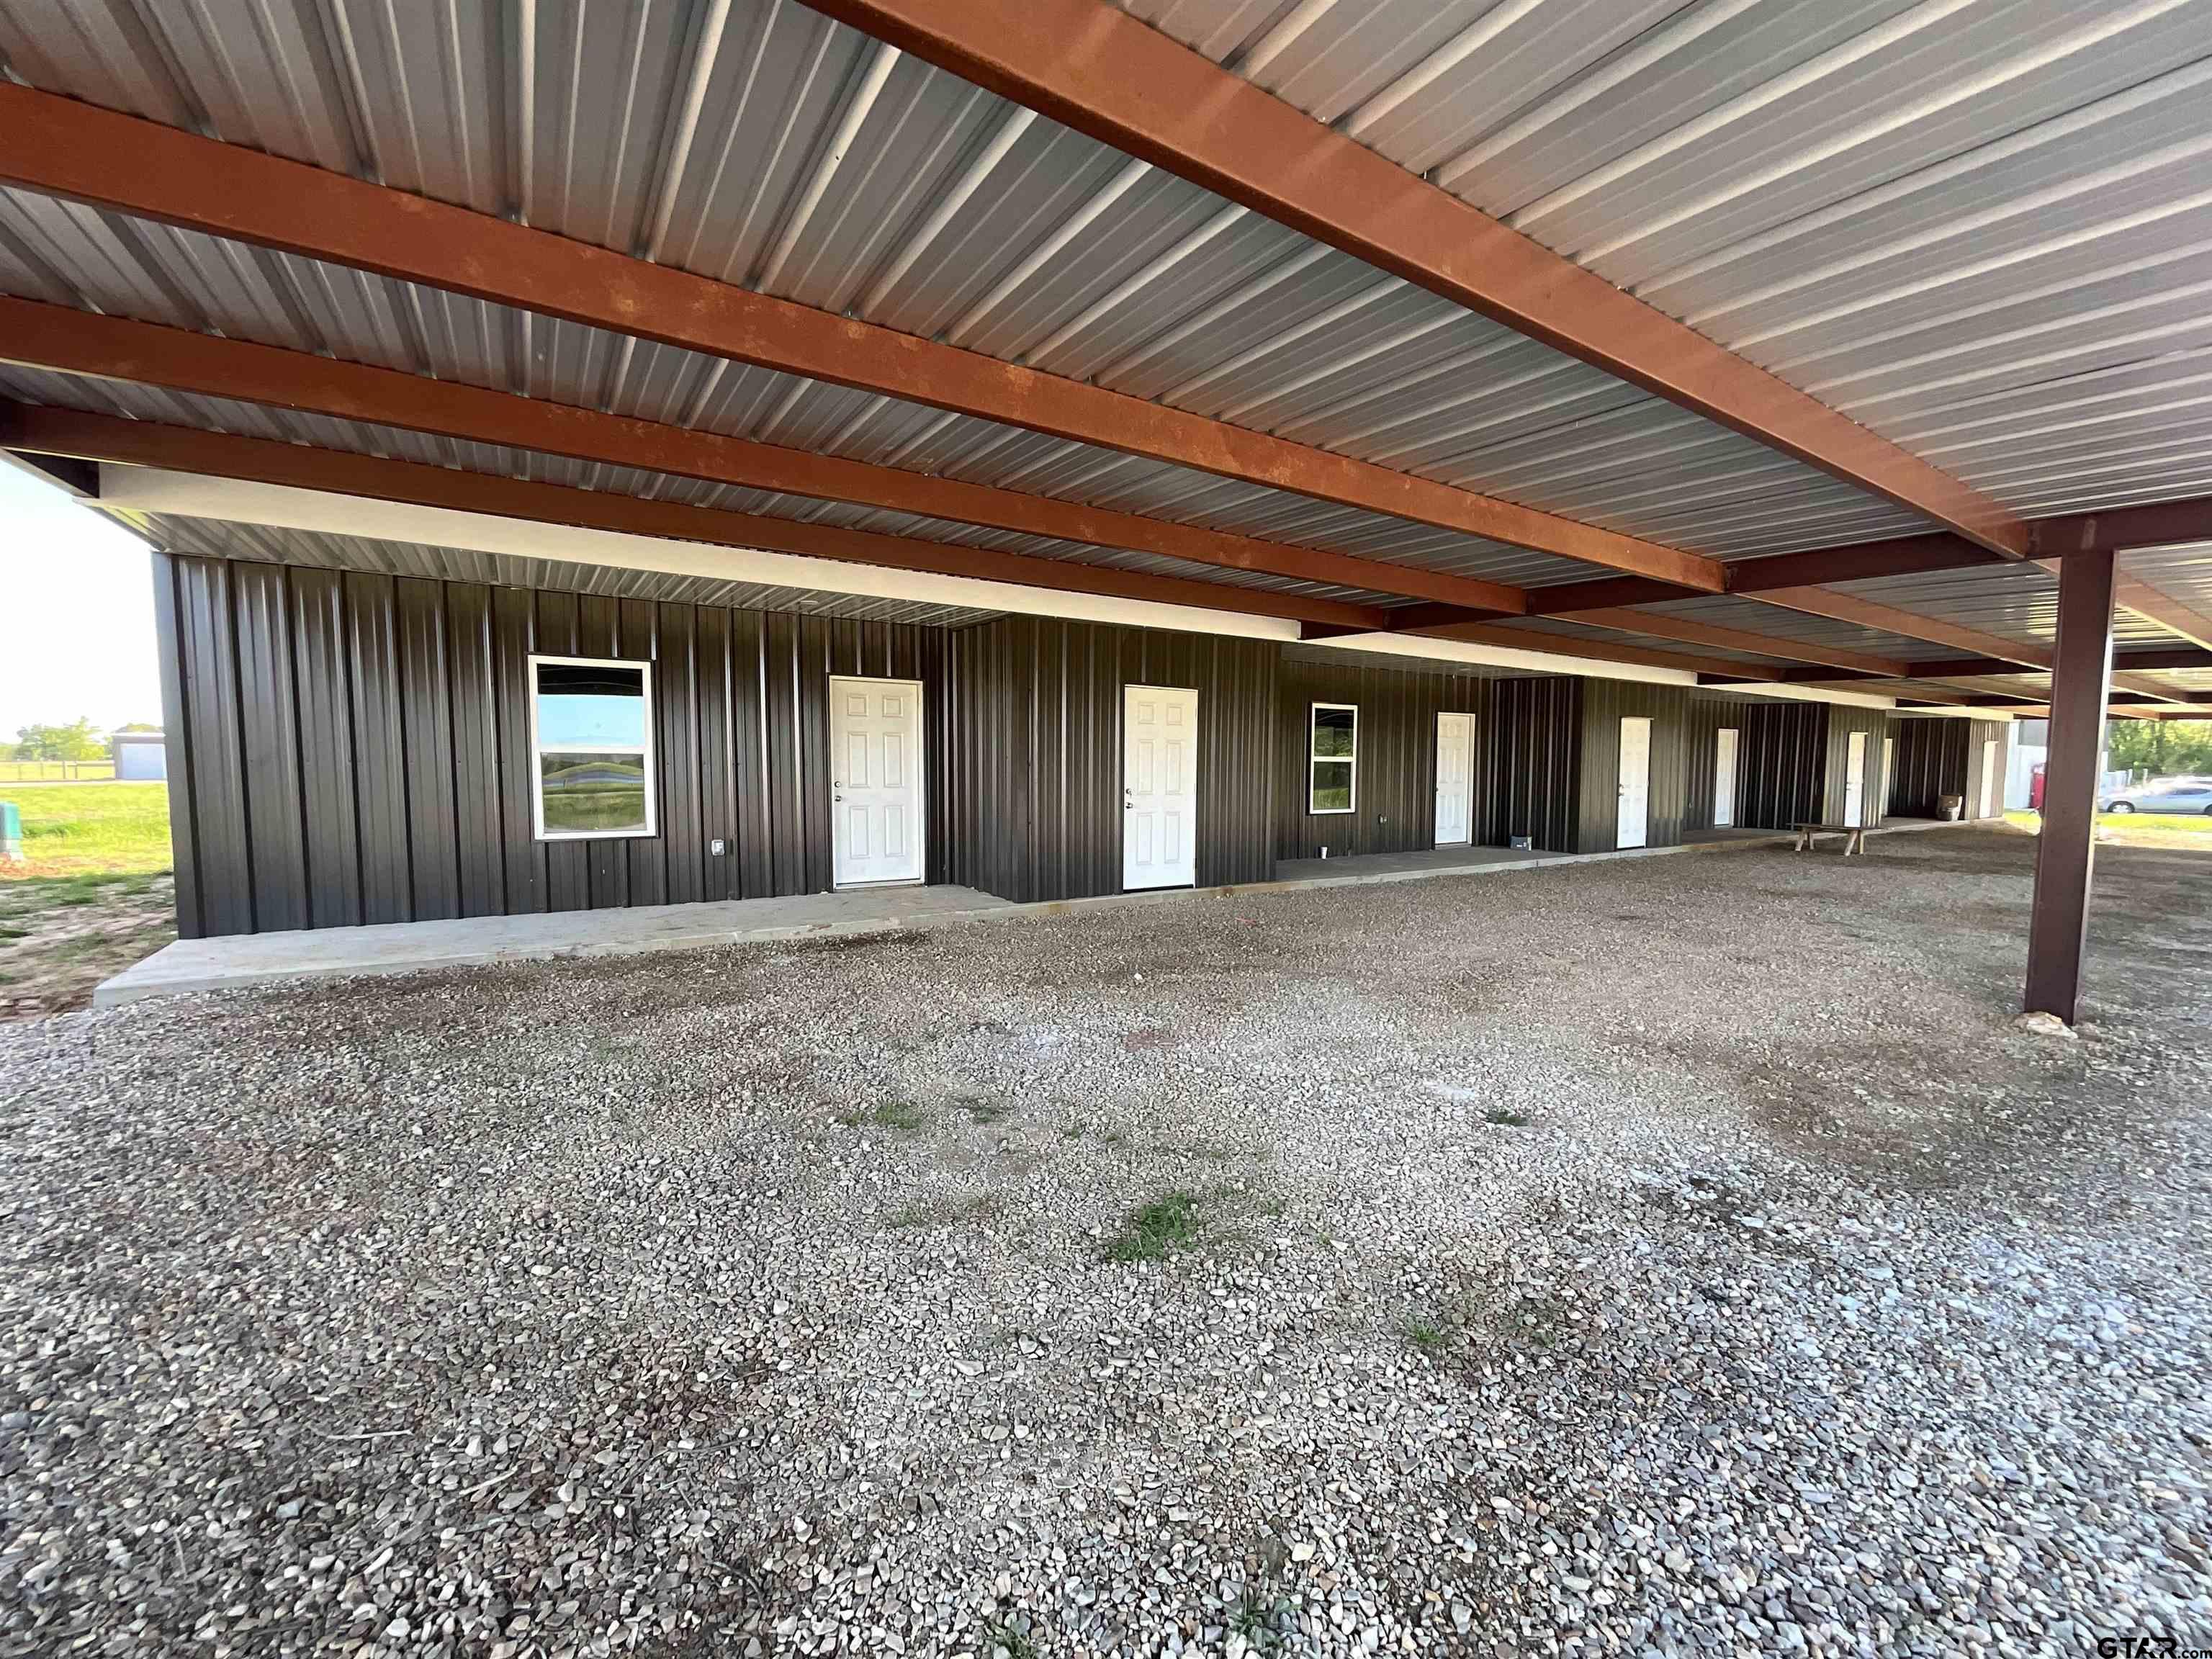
(1495, 656)
(154, 489)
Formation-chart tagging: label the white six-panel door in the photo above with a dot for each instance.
(1635, 825)
(876, 813)
(1724, 779)
(1159, 795)
(1855, 782)
(1454, 779)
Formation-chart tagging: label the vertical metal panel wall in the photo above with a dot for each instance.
(350, 747)
(1701, 738)
(1606, 703)
(1936, 756)
(1782, 764)
(1980, 732)
(1528, 773)
(1035, 778)
(1396, 774)
(1781, 748)
(1843, 720)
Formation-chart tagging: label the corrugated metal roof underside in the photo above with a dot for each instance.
(62, 251)
(146, 403)
(1755, 616)
(826, 169)
(264, 543)
(2183, 572)
(1980, 228)
(2012, 601)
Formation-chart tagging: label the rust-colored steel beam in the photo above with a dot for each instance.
(1600, 592)
(2153, 660)
(63, 148)
(1529, 639)
(2058, 924)
(1102, 72)
(146, 443)
(1900, 555)
(116, 348)
(2149, 525)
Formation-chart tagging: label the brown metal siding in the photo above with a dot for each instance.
(1781, 749)
(1781, 764)
(1843, 720)
(1037, 757)
(1529, 777)
(356, 749)
(1701, 757)
(1606, 703)
(1395, 809)
(1939, 755)
(325, 727)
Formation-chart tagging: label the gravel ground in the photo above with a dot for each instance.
(1685, 1255)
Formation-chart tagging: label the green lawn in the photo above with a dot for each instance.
(2131, 826)
(103, 828)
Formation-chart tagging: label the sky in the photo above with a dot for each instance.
(76, 613)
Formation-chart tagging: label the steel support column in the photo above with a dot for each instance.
(2080, 668)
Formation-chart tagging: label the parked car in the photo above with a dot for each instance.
(2162, 795)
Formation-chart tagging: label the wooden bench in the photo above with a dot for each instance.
(1854, 835)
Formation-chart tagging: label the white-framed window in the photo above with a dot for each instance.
(1332, 757)
(592, 772)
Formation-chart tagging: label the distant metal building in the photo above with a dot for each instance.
(140, 755)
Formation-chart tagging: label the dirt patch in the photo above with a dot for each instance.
(60, 938)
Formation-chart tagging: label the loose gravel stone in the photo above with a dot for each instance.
(1671, 1256)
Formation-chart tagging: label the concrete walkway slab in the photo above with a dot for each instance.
(226, 963)
(216, 965)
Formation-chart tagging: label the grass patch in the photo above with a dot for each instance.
(1153, 1231)
(899, 1117)
(92, 828)
(1008, 1640)
(1507, 1116)
(1430, 1339)
(2123, 827)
